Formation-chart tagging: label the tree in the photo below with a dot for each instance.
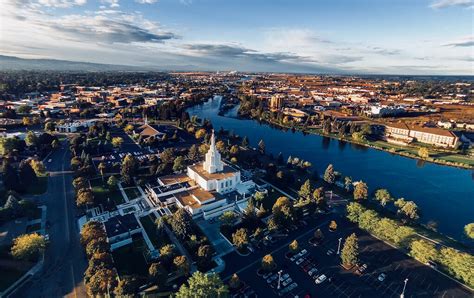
(79, 182)
(12, 205)
(383, 196)
(49, 126)
(259, 196)
(28, 246)
(102, 167)
(293, 246)
(112, 182)
(167, 252)
(178, 164)
(329, 175)
(97, 245)
(360, 191)
(350, 251)
(305, 190)
(268, 264)
(117, 142)
(202, 285)
(24, 109)
(158, 274)
(354, 210)
(318, 196)
(240, 238)
(283, 211)
(318, 234)
(423, 152)
(127, 287)
(101, 282)
(348, 183)
(245, 142)
(227, 218)
(181, 223)
(261, 146)
(193, 154)
(129, 168)
(410, 209)
(38, 167)
(92, 230)
(27, 121)
(234, 150)
(333, 225)
(234, 282)
(423, 251)
(31, 139)
(27, 174)
(204, 254)
(469, 230)
(84, 196)
(182, 265)
(11, 180)
(200, 133)
(128, 129)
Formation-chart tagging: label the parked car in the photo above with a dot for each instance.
(382, 277)
(330, 252)
(287, 282)
(432, 264)
(313, 271)
(361, 269)
(299, 261)
(320, 279)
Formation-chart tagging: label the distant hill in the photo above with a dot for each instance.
(15, 63)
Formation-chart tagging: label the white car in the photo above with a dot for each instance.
(382, 277)
(320, 279)
(295, 257)
(330, 252)
(292, 286)
(300, 260)
(303, 252)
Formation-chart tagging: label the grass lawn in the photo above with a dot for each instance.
(150, 229)
(102, 192)
(36, 214)
(271, 198)
(11, 269)
(33, 228)
(38, 188)
(129, 259)
(132, 192)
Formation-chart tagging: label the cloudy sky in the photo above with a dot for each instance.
(344, 36)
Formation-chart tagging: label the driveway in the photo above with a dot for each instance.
(212, 231)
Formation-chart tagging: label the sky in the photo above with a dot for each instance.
(314, 36)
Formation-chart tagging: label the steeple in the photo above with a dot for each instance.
(213, 162)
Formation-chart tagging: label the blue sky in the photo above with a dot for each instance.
(321, 36)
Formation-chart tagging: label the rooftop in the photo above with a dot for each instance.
(120, 224)
(225, 173)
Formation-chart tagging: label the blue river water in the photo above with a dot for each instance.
(444, 194)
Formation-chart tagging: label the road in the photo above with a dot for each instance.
(65, 263)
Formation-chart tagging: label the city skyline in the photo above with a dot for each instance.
(379, 37)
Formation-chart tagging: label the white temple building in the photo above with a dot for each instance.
(208, 188)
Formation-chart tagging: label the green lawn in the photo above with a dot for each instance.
(102, 193)
(270, 198)
(132, 192)
(150, 229)
(129, 259)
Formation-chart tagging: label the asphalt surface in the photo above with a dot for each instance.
(380, 258)
(65, 262)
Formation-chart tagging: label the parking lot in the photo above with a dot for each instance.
(379, 257)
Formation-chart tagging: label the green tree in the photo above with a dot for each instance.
(360, 191)
(293, 246)
(27, 174)
(423, 152)
(350, 251)
(202, 285)
(182, 265)
(38, 167)
(268, 264)
(178, 164)
(101, 282)
(158, 274)
(112, 182)
(354, 210)
(383, 196)
(127, 287)
(167, 252)
(329, 175)
(49, 126)
(458, 264)
(423, 251)
(117, 142)
(84, 196)
(410, 209)
(234, 282)
(181, 223)
(305, 190)
(240, 238)
(129, 168)
(469, 230)
(31, 139)
(28, 246)
(193, 154)
(228, 218)
(283, 211)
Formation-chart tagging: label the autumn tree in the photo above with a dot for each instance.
(423, 250)
(28, 246)
(383, 196)
(350, 251)
(293, 246)
(329, 175)
(360, 191)
(268, 264)
(181, 264)
(240, 238)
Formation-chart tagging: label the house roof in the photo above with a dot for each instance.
(120, 224)
(225, 173)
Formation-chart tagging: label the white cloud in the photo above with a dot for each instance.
(448, 3)
(60, 3)
(111, 3)
(146, 1)
(461, 42)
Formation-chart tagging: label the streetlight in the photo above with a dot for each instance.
(279, 278)
(339, 246)
(402, 295)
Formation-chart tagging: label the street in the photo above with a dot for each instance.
(64, 265)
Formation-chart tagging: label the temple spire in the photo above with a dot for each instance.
(213, 162)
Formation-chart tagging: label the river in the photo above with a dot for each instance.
(445, 195)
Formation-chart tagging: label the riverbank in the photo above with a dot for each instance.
(443, 157)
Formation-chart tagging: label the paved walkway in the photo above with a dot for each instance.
(212, 231)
